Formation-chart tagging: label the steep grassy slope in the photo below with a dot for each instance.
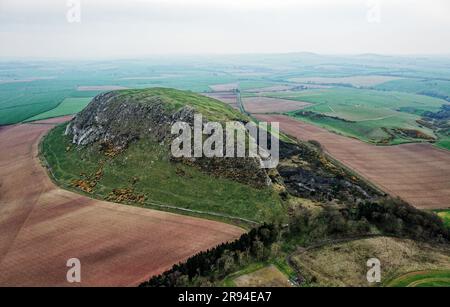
(143, 172)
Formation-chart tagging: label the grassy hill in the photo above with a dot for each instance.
(144, 174)
(212, 109)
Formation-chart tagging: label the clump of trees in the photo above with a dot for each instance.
(395, 217)
(212, 265)
(331, 222)
(387, 216)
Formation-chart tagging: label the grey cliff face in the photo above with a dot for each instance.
(108, 119)
(117, 121)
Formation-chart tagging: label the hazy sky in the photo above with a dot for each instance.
(126, 28)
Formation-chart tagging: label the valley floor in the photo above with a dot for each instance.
(42, 226)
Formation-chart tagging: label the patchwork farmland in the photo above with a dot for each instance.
(356, 81)
(101, 210)
(417, 173)
(227, 97)
(42, 226)
(258, 105)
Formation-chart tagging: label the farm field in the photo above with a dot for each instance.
(429, 87)
(34, 87)
(258, 105)
(226, 97)
(20, 101)
(418, 173)
(348, 259)
(431, 278)
(274, 88)
(68, 106)
(42, 226)
(227, 87)
(371, 116)
(356, 81)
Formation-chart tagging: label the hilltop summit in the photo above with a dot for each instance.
(116, 119)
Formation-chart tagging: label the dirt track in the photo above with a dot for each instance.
(42, 226)
(418, 173)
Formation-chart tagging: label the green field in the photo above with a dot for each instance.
(422, 279)
(20, 101)
(445, 216)
(67, 107)
(435, 88)
(444, 142)
(364, 114)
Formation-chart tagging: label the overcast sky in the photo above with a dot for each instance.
(130, 28)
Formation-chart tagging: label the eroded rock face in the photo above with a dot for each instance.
(117, 121)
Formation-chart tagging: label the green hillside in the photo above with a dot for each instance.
(144, 175)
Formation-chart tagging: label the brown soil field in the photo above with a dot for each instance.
(272, 105)
(417, 173)
(42, 226)
(226, 97)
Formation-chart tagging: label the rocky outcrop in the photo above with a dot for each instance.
(116, 120)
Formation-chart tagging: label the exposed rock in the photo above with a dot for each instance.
(114, 121)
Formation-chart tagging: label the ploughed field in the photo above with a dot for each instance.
(42, 226)
(257, 105)
(226, 97)
(418, 173)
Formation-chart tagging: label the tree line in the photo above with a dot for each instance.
(388, 216)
